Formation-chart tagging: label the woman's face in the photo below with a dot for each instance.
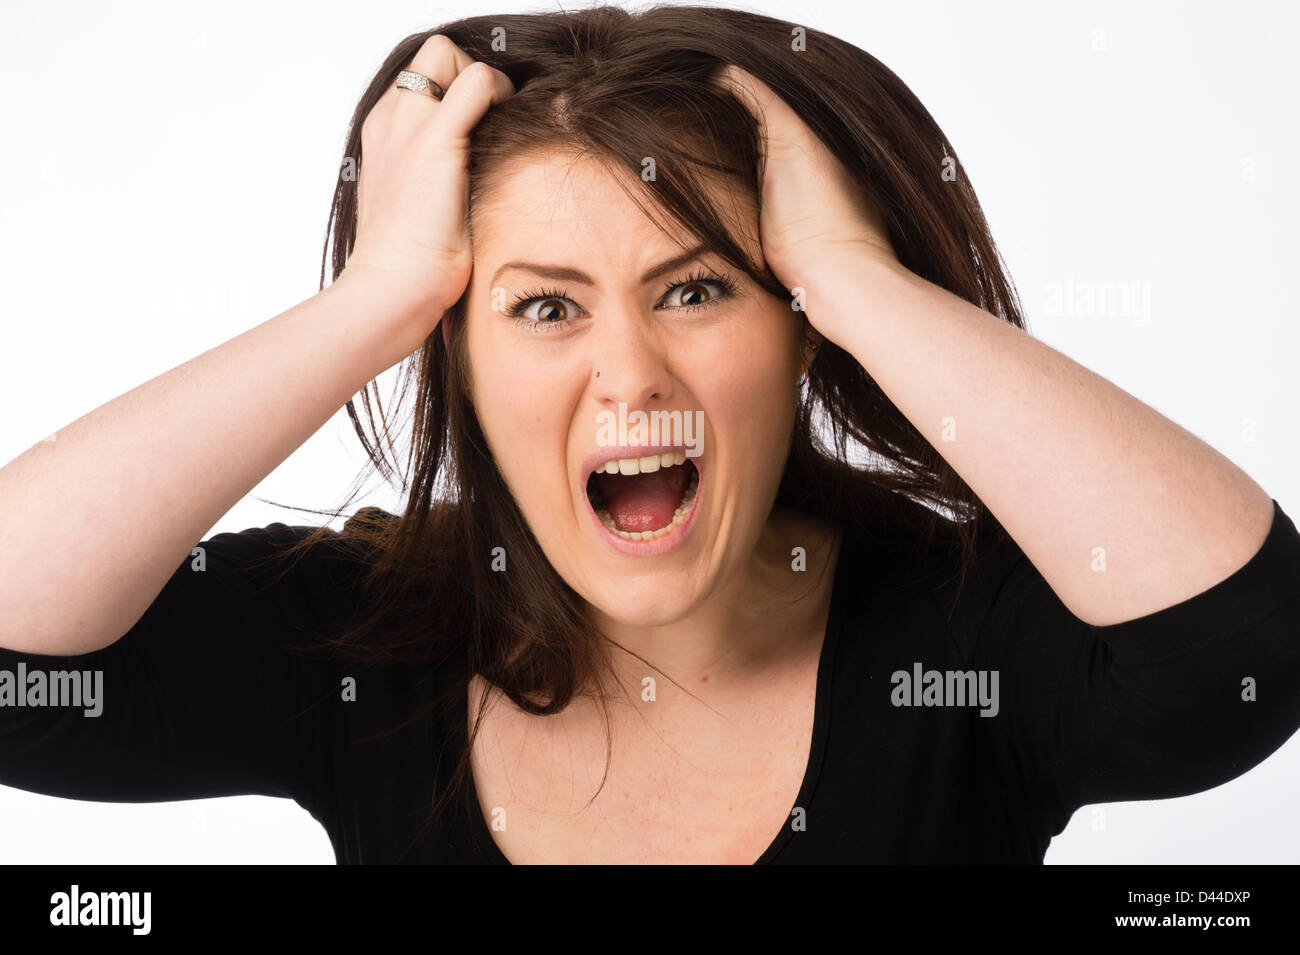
(555, 354)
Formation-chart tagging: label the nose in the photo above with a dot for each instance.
(628, 359)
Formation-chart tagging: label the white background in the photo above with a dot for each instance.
(168, 173)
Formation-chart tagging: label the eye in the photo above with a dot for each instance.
(545, 310)
(551, 309)
(695, 289)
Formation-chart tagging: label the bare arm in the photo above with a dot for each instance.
(1123, 512)
(1068, 461)
(96, 520)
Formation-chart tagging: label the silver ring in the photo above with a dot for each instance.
(419, 83)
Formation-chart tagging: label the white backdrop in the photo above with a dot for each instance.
(168, 173)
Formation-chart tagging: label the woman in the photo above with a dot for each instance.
(586, 640)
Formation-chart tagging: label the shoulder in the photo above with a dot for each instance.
(254, 549)
(910, 562)
(910, 541)
(309, 574)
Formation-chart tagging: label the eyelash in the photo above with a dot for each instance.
(701, 276)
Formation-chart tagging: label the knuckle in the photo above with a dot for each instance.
(480, 74)
(376, 121)
(437, 42)
(438, 56)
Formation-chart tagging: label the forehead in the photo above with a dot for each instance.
(557, 202)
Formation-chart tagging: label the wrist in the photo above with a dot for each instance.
(398, 314)
(844, 287)
(397, 292)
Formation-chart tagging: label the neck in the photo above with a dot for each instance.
(760, 620)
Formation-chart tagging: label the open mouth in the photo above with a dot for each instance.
(644, 498)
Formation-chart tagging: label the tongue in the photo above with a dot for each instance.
(643, 502)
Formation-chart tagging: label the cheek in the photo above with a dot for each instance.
(751, 365)
(754, 391)
(507, 385)
(521, 414)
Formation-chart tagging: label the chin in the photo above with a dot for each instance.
(644, 605)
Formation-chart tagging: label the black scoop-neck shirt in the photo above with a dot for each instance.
(954, 721)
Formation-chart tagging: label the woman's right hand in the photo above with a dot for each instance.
(64, 591)
(413, 187)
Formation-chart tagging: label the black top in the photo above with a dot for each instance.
(203, 697)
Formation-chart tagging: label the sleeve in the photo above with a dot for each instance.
(204, 696)
(1172, 703)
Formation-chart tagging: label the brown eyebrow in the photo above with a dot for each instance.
(574, 275)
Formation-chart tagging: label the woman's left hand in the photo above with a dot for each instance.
(813, 215)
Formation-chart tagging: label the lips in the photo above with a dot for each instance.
(642, 497)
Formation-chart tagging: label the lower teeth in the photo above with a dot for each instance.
(679, 515)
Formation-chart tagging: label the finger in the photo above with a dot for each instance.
(440, 60)
(439, 56)
(465, 102)
(779, 124)
(742, 84)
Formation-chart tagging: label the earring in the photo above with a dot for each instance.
(805, 363)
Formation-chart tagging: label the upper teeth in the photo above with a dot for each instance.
(644, 465)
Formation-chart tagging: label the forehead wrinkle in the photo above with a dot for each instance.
(560, 179)
(514, 192)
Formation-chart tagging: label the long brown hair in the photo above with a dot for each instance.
(620, 86)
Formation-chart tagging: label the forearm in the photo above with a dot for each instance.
(97, 519)
(1067, 461)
